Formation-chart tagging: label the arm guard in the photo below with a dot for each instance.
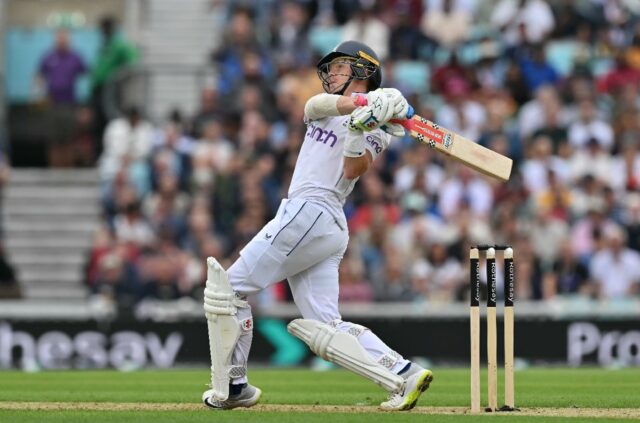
(321, 106)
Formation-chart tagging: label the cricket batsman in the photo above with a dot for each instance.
(306, 241)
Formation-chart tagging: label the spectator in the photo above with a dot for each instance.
(622, 75)
(616, 268)
(127, 148)
(447, 275)
(532, 116)
(59, 71)
(625, 172)
(566, 275)
(163, 271)
(367, 28)
(166, 207)
(541, 160)
(589, 127)
(209, 110)
(200, 229)
(592, 160)
(553, 129)
(375, 209)
(515, 84)
(587, 232)
(529, 271)
(412, 9)
(290, 36)
(461, 113)
(171, 155)
(515, 18)
(212, 154)
(115, 54)
(418, 228)
(490, 71)
(556, 199)
(457, 20)
(465, 188)
(547, 234)
(117, 282)
(444, 77)
(353, 286)
(389, 279)
(418, 169)
(536, 71)
(131, 227)
(421, 280)
(632, 54)
(631, 220)
(406, 42)
(239, 42)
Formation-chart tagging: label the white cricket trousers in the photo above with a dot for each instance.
(303, 244)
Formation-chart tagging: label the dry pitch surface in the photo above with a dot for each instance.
(619, 413)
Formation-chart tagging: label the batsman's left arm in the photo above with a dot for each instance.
(357, 158)
(326, 105)
(374, 143)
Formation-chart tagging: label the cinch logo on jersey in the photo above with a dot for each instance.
(320, 135)
(373, 143)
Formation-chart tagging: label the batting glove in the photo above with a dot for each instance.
(394, 129)
(377, 112)
(399, 103)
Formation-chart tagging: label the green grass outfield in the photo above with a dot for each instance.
(305, 396)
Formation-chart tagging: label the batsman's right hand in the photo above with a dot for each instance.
(398, 102)
(377, 112)
(394, 129)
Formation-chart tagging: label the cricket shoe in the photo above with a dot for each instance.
(417, 381)
(248, 397)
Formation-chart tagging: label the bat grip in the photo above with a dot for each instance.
(361, 101)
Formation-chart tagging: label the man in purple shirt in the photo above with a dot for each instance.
(59, 70)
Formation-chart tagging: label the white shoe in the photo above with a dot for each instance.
(248, 397)
(406, 398)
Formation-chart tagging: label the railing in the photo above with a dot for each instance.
(560, 309)
(133, 85)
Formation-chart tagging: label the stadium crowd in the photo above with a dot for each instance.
(552, 84)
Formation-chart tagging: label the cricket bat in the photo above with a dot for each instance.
(458, 147)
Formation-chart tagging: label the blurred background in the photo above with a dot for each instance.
(139, 137)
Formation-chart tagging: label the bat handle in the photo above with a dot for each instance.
(410, 113)
(361, 101)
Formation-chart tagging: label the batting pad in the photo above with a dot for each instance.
(344, 350)
(224, 329)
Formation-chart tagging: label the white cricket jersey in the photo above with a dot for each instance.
(318, 173)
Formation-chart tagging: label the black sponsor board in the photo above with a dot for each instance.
(130, 344)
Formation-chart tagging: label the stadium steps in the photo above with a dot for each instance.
(49, 218)
(178, 38)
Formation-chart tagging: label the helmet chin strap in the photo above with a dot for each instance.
(345, 86)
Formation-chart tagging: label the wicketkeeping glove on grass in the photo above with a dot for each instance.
(376, 113)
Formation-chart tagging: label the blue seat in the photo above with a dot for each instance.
(412, 76)
(561, 55)
(324, 39)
